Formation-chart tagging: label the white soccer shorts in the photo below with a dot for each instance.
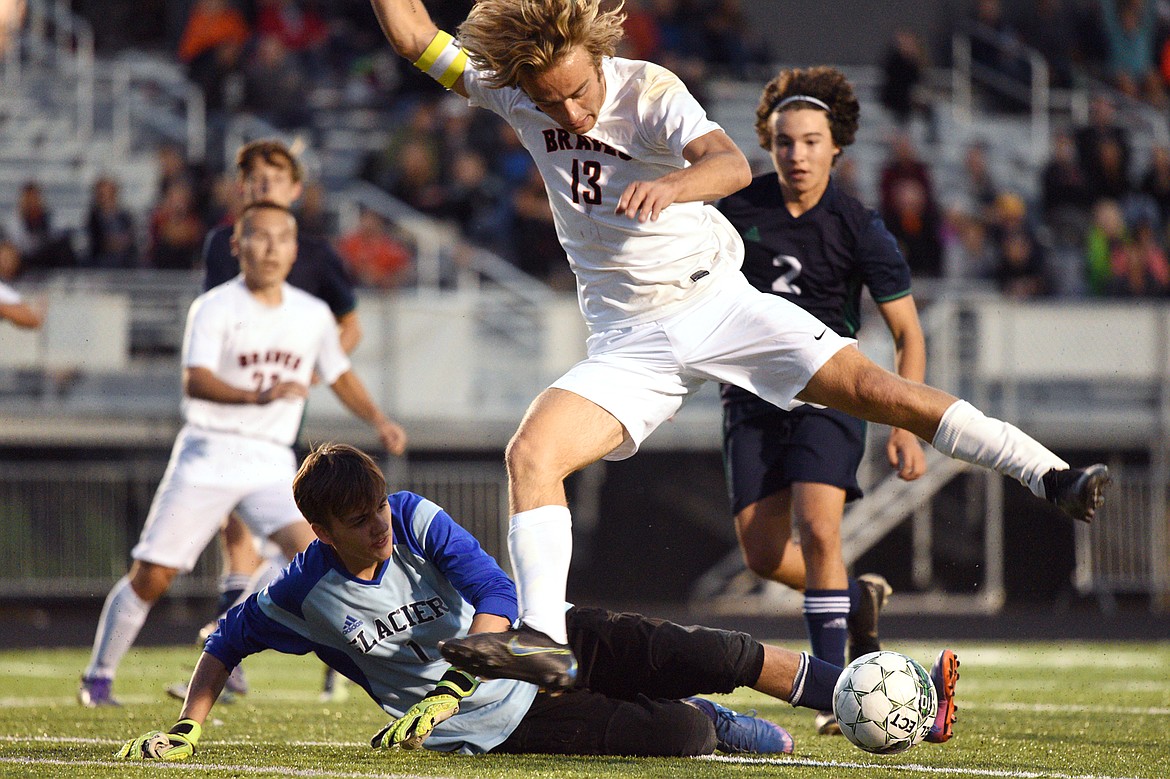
(643, 374)
(209, 475)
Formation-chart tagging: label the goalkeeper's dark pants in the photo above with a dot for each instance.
(632, 672)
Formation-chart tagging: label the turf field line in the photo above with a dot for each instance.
(206, 768)
(907, 767)
(212, 742)
(1152, 711)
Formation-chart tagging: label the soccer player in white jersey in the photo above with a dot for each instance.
(628, 158)
(393, 576)
(249, 352)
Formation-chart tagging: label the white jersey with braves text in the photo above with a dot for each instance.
(383, 633)
(251, 345)
(627, 271)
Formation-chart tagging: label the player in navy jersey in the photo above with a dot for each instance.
(392, 577)
(811, 243)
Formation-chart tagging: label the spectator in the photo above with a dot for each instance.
(41, 247)
(275, 85)
(1130, 28)
(1102, 130)
(996, 47)
(903, 163)
(643, 35)
(968, 253)
(731, 43)
(300, 29)
(903, 67)
(475, 199)
(1020, 271)
(212, 48)
(1107, 238)
(416, 180)
(538, 252)
(110, 227)
(176, 231)
(1139, 268)
(979, 184)
(1110, 177)
(1064, 188)
(1155, 182)
(1050, 28)
(373, 256)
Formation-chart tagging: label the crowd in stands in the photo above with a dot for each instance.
(1097, 227)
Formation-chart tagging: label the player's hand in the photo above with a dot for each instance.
(645, 200)
(285, 389)
(392, 435)
(178, 743)
(411, 729)
(905, 454)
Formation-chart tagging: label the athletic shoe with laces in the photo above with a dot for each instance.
(1078, 492)
(743, 733)
(863, 623)
(945, 675)
(524, 653)
(825, 723)
(335, 688)
(96, 691)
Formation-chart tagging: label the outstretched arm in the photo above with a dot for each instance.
(180, 742)
(409, 29)
(206, 684)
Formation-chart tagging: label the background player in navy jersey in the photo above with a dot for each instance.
(391, 577)
(629, 158)
(812, 244)
(268, 170)
(250, 348)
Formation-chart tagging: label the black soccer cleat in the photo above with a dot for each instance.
(524, 653)
(863, 623)
(1078, 492)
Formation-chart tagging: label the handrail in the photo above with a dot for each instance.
(1036, 94)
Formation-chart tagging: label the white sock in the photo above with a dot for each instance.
(122, 617)
(540, 542)
(966, 434)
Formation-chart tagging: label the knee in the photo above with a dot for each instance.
(762, 559)
(149, 581)
(527, 458)
(660, 729)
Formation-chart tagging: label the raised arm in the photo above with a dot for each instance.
(353, 394)
(411, 32)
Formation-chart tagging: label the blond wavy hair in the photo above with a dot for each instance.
(512, 39)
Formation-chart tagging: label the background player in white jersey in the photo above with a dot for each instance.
(392, 577)
(249, 351)
(628, 158)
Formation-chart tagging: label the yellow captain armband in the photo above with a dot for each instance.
(443, 60)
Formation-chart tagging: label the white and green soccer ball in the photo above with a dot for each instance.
(884, 702)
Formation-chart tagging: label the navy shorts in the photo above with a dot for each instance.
(766, 449)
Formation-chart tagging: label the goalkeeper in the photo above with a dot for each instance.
(390, 578)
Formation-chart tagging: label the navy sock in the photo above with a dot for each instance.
(814, 682)
(825, 613)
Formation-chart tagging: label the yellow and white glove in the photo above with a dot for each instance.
(178, 743)
(440, 704)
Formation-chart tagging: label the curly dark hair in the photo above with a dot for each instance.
(826, 84)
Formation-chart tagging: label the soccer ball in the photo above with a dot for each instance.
(885, 702)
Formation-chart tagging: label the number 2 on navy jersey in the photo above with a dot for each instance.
(783, 282)
(591, 170)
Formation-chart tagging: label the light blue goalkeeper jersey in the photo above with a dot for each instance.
(383, 633)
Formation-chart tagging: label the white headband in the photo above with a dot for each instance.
(802, 99)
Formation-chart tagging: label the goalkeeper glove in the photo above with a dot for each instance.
(178, 743)
(440, 704)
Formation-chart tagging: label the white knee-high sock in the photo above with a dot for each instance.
(540, 542)
(966, 434)
(122, 617)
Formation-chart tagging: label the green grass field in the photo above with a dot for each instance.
(1084, 710)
